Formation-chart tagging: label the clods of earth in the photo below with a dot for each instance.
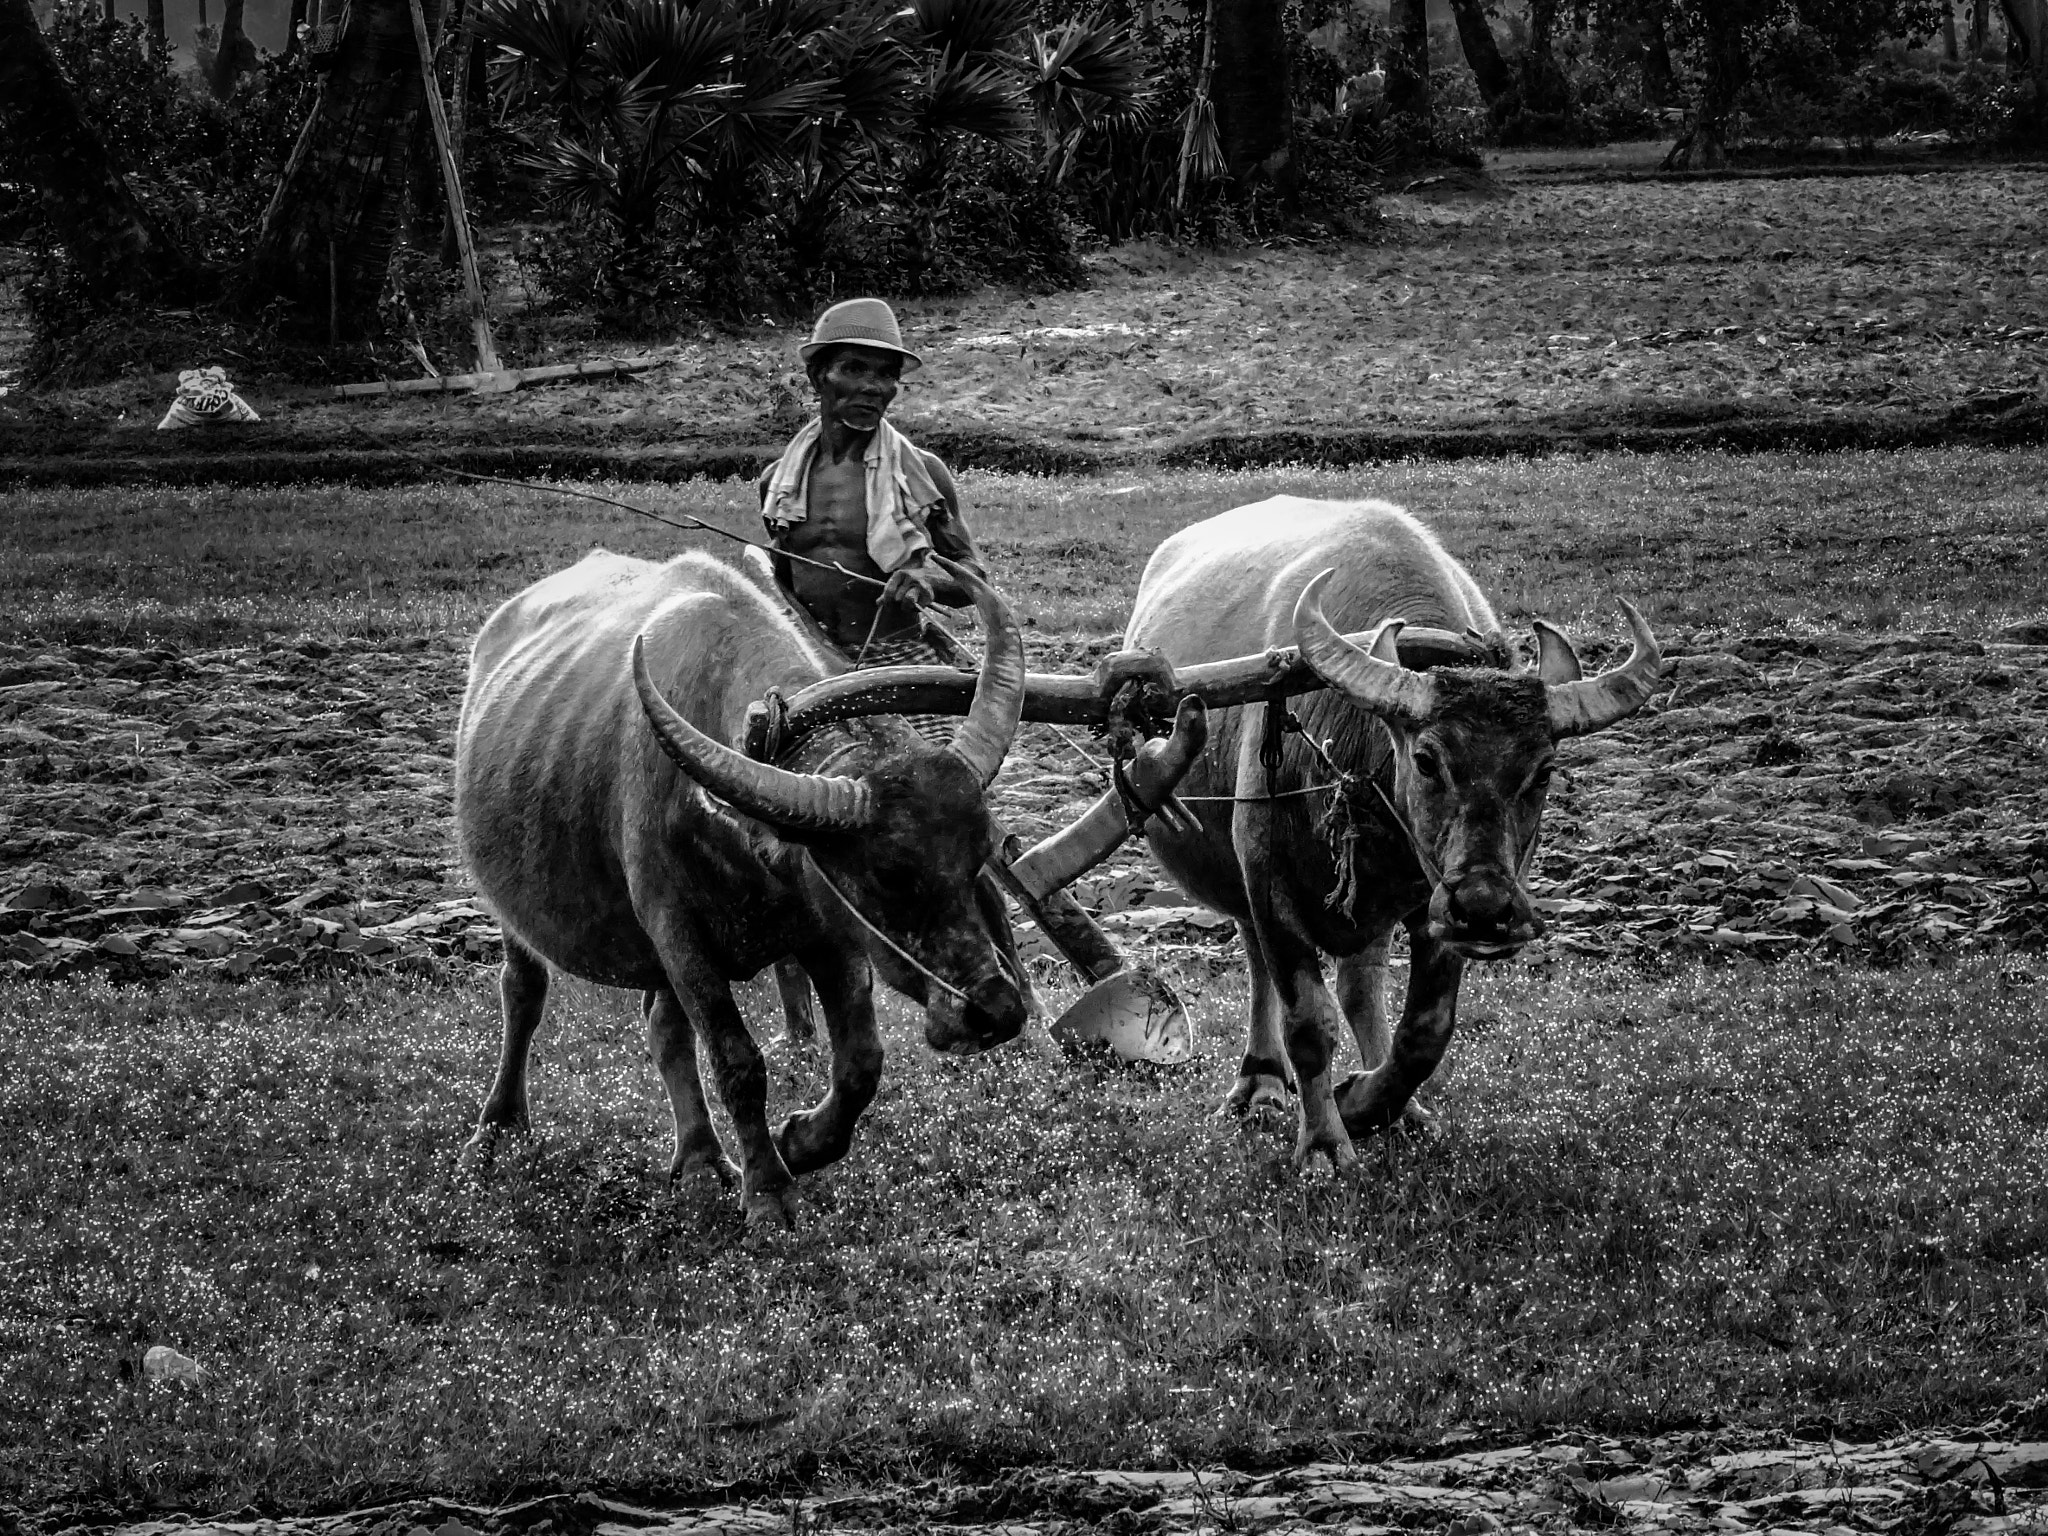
(1974, 1484)
(286, 806)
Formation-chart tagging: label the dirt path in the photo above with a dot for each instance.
(1978, 1483)
(287, 806)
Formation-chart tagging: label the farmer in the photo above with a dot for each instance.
(852, 491)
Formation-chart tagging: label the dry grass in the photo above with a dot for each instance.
(1903, 291)
(1940, 538)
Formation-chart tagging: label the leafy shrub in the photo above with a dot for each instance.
(733, 156)
(204, 168)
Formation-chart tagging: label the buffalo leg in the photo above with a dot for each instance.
(1310, 1032)
(522, 999)
(798, 1026)
(1376, 1099)
(766, 1192)
(1362, 994)
(822, 1134)
(1262, 1077)
(672, 1043)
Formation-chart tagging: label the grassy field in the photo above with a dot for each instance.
(1705, 1196)
(1871, 541)
(1676, 1194)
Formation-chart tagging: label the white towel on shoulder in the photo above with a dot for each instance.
(901, 492)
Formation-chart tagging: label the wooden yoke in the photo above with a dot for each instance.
(1053, 698)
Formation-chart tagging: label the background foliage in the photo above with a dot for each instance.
(733, 158)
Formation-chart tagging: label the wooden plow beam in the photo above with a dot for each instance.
(1054, 698)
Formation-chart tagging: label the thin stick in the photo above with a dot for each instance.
(694, 525)
(472, 279)
(877, 624)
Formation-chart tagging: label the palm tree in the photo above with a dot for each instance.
(325, 240)
(1084, 78)
(1254, 111)
(658, 104)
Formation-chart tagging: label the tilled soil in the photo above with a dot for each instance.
(1973, 1484)
(280, 807)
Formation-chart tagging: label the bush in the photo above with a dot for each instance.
(1802, 91)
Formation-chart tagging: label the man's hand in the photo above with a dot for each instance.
(913, 583)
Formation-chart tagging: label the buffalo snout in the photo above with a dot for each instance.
(992, 1014)
(1484, 914)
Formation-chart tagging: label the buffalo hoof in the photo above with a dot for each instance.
(702, 1180)
(1337, 1148)
(769, 1211)
(804, 1148)
(481, 1150)
(1364, 1117)
(1256, 1091)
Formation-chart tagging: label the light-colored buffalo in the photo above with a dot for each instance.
(619, 836)
(1444, 771)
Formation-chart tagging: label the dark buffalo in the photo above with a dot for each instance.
(1434, 818)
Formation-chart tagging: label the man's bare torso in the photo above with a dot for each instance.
(836, 533)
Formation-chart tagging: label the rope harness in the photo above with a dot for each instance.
(901, 953)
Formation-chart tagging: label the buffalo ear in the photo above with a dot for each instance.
(1556, 660)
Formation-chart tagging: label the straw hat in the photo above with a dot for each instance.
(862, 323)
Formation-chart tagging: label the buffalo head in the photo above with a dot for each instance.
(1472, 759)
(897, 829)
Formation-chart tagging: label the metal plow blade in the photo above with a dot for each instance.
(1136, 1014)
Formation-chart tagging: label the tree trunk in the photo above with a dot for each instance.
(1482, 53)
(114, 244)
(2022, 35)
(1950, 47)
(1704, 144)
(1544, 88)
(159, 35)
(428, 201)
(344, 185)
(1660, 80)
(1408, 60)
(458, 134)
(1254, 115)
(1980, 27)
(235, 53)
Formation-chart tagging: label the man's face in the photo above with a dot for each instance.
(855, 388)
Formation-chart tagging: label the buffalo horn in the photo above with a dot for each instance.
(1372, 678)
(1556, 661)
(803, 802)
(1593, 705)
(984, 737)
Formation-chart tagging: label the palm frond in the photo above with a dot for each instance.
(963, 30)
(544, 51)
(1201, 147)
(981, 101)
(672, 46)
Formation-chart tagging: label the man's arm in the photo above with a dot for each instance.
(950, 537)
(778, 562)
